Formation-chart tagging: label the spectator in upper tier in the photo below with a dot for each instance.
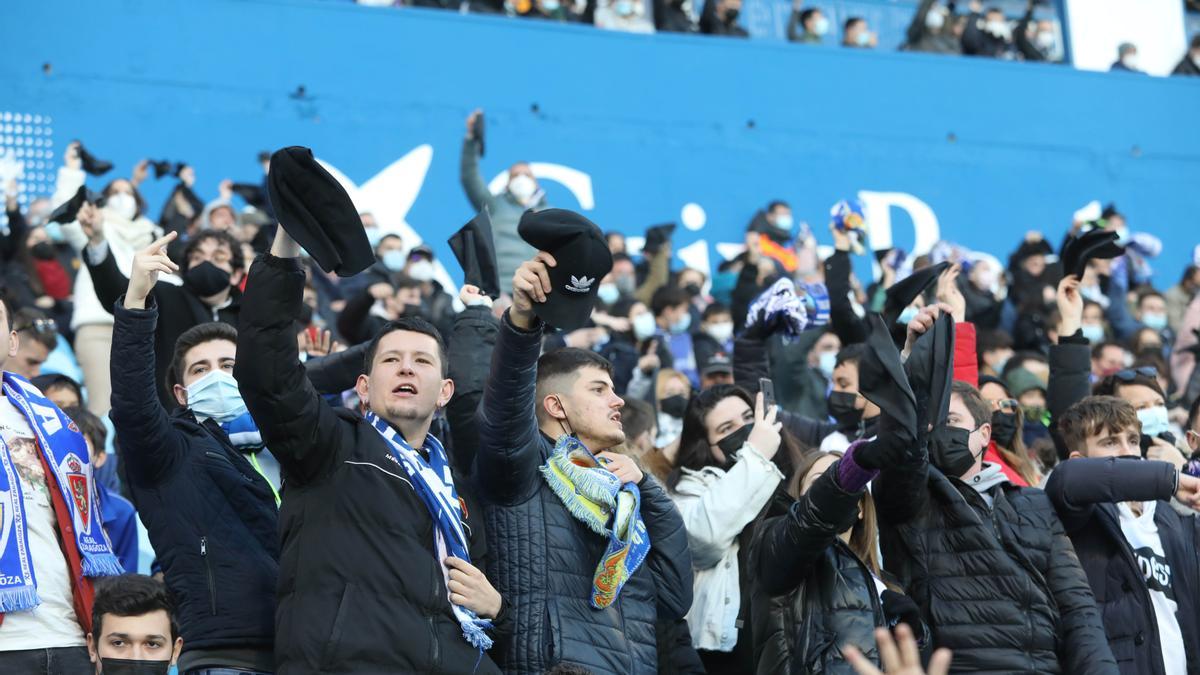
(672, 16)
(932, 30)
(506, 208)
(623, 15)
(1190, 63)
(1140, 555)
(770, 234)
(1036, 41)
(987, 34)
(720, 18)
(809, 26)
(1127, 59)
(856, 33)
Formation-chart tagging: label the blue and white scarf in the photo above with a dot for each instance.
(63, 448)
(434, 484)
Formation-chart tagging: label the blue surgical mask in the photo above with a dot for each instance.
(644, 326)
(215, 396)
(54, 231)
(827, 360)
(821, 26)
(863, 39)
(1154, 320)
(623, 7)
(550, 6)
(682, 324)
(784, 222)
(1094, 332)
(1154, 420)
(608, 293)
(394, 260)
(907, 315)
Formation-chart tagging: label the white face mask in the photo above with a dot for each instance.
(721, 332)
(123, 204)
(1045, 41)
(1130, 61)
(1154, 420)
(998, 29)
(522, 187)
(934, 20)
(644, 326)
(821, 26)
(827, 361)
(421, 270)
(215, 396)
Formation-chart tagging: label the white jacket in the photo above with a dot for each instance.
(716, 506)
(124, 237)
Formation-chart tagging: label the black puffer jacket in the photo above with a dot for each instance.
(1070, 367)
(470, 351)
(361, 588)
(210, 516)
(1085, 492)
(813, 594)
(1000, 586)
(544, 558)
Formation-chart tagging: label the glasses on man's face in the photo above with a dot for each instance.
(1007, 406)
(39, 326)
(1131, 374)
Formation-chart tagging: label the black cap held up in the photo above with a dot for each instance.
(1091, 245)
(881, 377)
(582, 258)
(930, 369)
(316, 211)
(89, 162)
(68, 211)
(656, 236)
(903, 292)
(476, 254)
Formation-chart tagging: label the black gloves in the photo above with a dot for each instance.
(888, 449)
(899, 609)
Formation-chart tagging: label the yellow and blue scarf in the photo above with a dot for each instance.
(597, 498)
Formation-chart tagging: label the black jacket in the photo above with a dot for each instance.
(999, 586)
(544, 559)
(179, 309)
(813, 594)
(1085, 493)
(750, 363)
(977, 42)
(210, 516)
(1070, 368)
(1186, 66)
(361, 589)
(470, 352)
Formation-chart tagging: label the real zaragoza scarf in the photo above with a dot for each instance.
(596, 497)
(434, 484)
(66, 453)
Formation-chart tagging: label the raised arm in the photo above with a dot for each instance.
(509, 449)
(472, 182)
(296, 423)
(149, 449)
(470, 351)
(849, 328)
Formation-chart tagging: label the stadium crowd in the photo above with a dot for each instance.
(937, 27)
(592, 460)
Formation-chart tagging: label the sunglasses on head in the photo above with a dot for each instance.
(39, 326)
(1131, 374)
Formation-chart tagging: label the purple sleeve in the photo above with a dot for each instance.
(850, 476)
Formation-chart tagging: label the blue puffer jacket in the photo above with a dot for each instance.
(544, 558)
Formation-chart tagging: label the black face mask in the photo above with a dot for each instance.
(673, 405)
(731, 15)
(841, 408)
(733, 442)
(1004, 428)
(42, 250)
(950, 450)
(132, 667)
(206, 279)
(692, 290)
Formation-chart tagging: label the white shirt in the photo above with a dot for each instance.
(1141, 533)
(52, 623)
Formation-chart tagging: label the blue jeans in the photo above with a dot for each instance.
(57, 661)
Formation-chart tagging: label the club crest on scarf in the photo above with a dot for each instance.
(596, 497)
(77, 484)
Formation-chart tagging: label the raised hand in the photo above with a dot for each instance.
(322, 346)
(649, 362)
(471, 119)
(148, 263)
(531, 283)
(1070, 305)
(91, 221)
(622, 467)
(470, 295)
(765, 436)
(902, 659)
(921, 323)
(841, 239)
(470, 588)
(140, 172)
(71, 156)
(949, 293)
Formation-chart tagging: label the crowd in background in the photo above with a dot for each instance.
(791, 557)
(938, 26)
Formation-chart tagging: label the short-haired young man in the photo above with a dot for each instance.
(212, 268)
(210, 515)
(546, 427)
(671, 307)
(38, 337)
(133, 627)
(380, 560)
(1139, 553)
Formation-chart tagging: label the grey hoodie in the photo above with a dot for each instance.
(988, 477)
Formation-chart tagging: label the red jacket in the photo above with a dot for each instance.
(81, 586)
(966, 369)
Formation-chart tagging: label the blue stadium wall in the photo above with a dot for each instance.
(653, 122)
